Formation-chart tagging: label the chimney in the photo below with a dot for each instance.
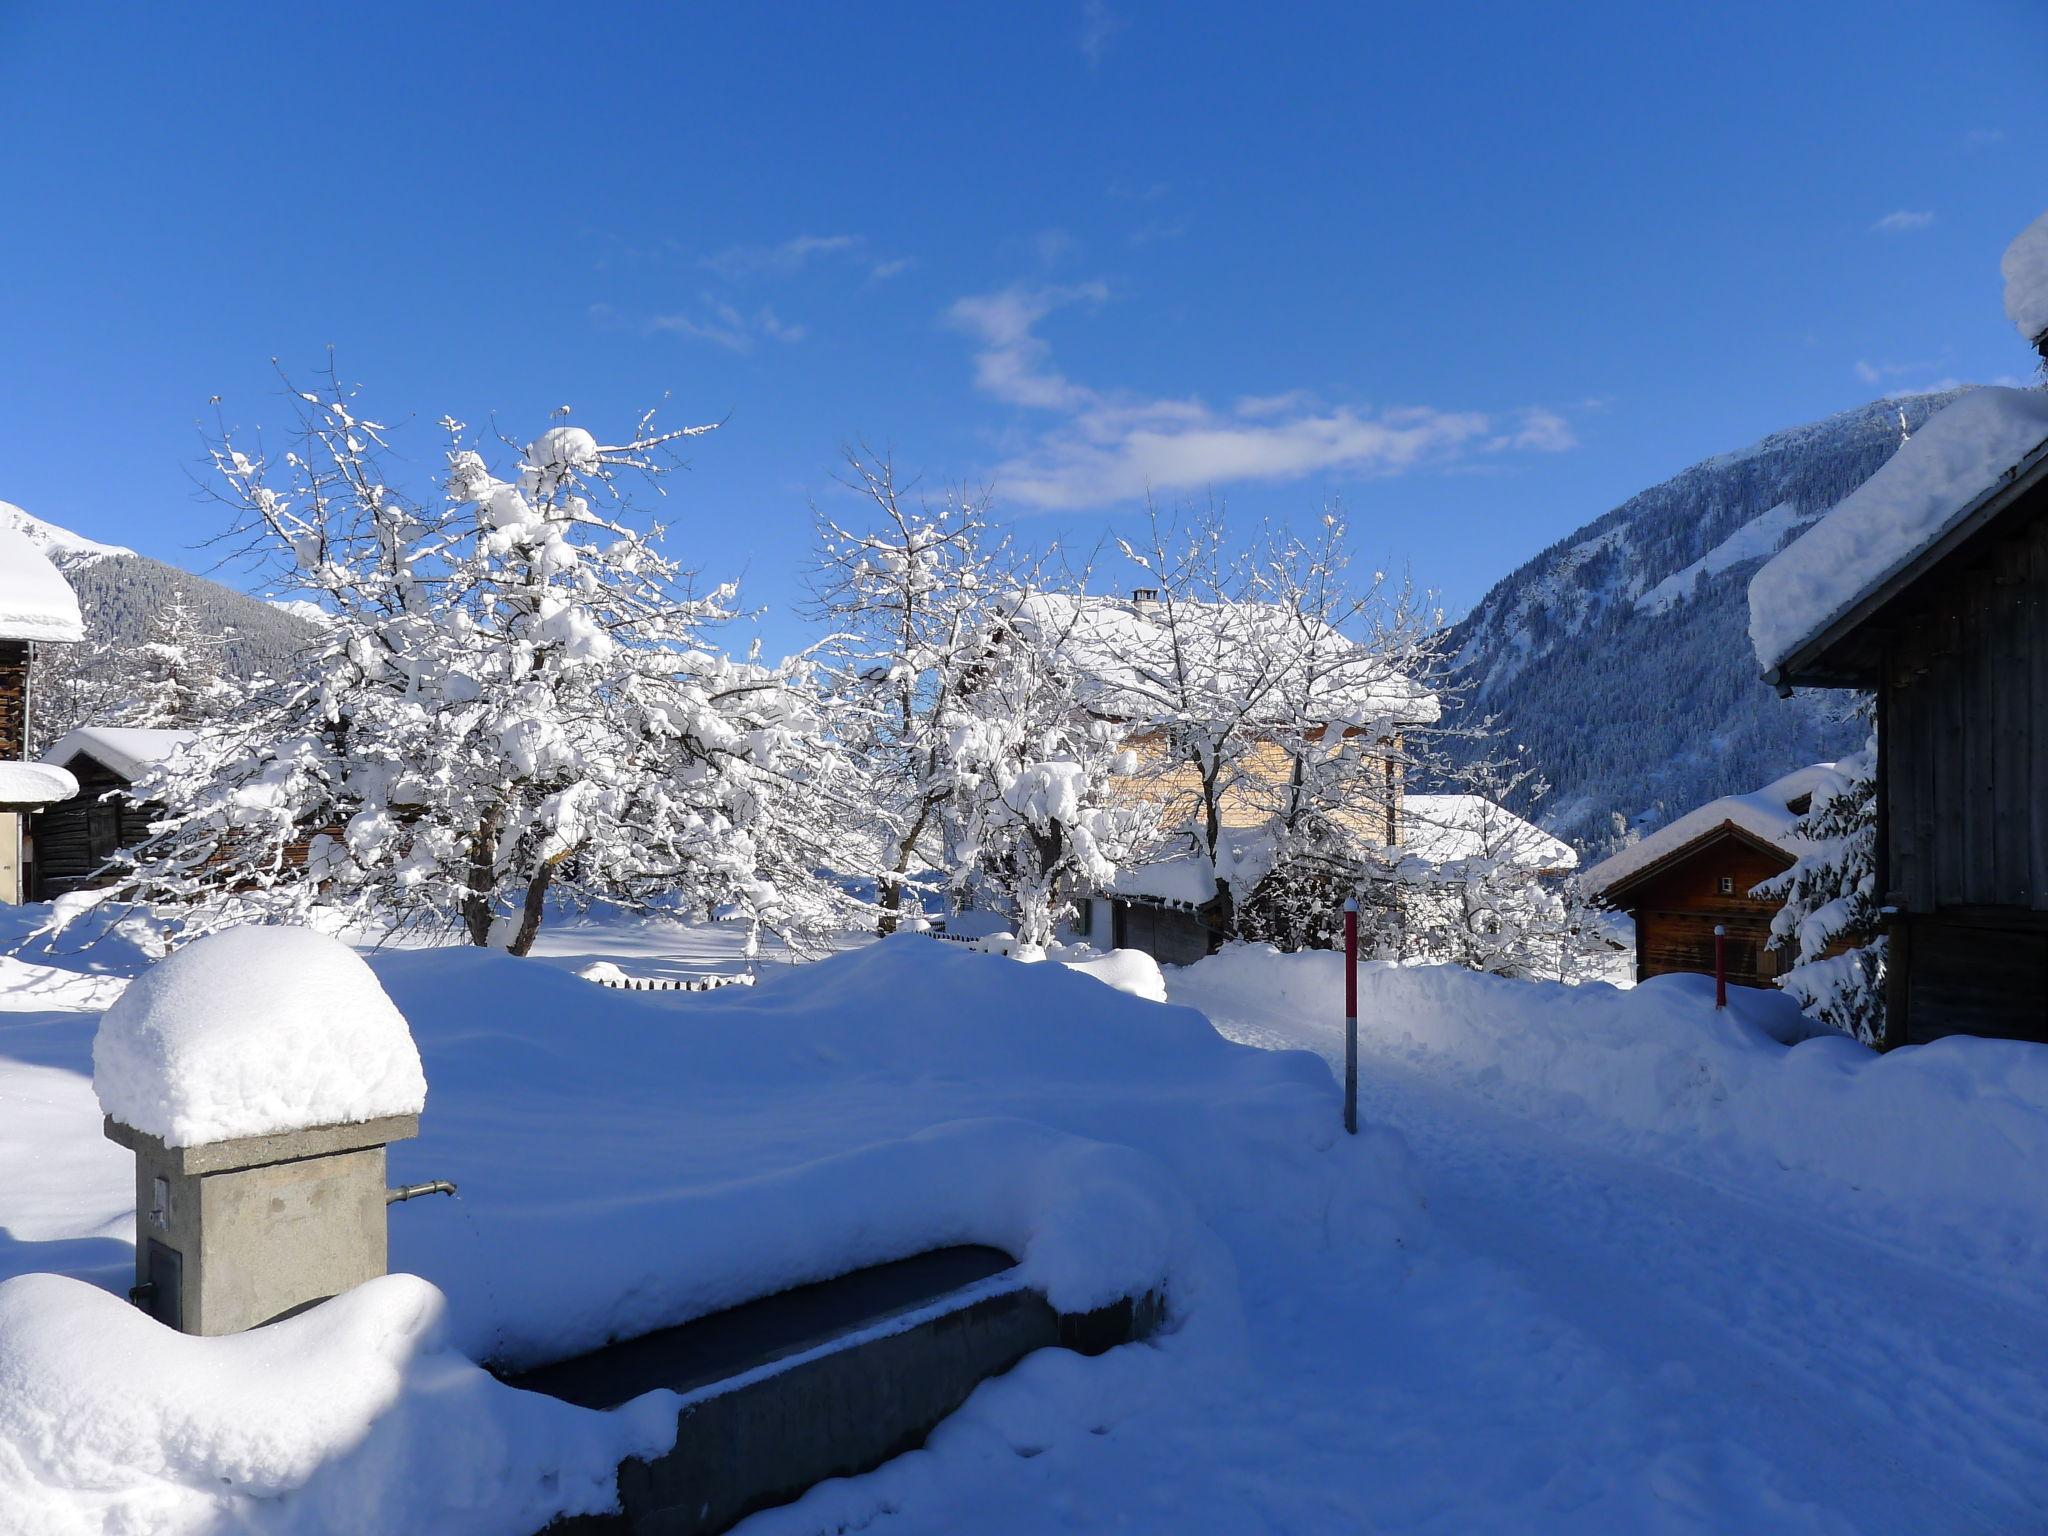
(1145, 600)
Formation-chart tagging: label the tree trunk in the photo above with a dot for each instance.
(535, 908)
(476, 903)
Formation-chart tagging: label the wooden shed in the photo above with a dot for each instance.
(1700, 872)
(1946, 622)
(74, 839)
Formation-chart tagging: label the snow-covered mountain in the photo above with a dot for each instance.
(119, 593)
(1620, 656)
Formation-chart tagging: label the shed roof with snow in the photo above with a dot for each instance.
(36, 602)
(1765, 816)
(28, 786)
(129, 751)
(1948, 483)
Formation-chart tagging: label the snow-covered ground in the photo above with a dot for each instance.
(1601, 1262)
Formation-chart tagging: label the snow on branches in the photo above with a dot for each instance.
(1830, 919)
(516, 697)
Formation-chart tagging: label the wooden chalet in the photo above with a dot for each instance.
(75, 837)
(37, 607)
(1685, 879)
(1941, 611)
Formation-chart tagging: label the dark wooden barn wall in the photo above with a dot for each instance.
(1966, 736)
(1676, 910)
(74, 838)
(1965, 779)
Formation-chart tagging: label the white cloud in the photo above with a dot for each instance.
(790, 256)
(1901, 220)
(895, 266)
(715, 320)
(1099, 24)
(1106, 447)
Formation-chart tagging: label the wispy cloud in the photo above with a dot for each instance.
(1099, 26)
(1984, 136)
(1103, 447)
(714, 320)
(1900, 220)
(792, 255)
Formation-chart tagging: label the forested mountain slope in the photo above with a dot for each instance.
(1620, 657)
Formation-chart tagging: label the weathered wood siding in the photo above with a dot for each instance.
(1964, 710)
(13, 700)
(75, 837)
(1675, 912)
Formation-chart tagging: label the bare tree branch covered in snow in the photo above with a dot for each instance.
(516, 699)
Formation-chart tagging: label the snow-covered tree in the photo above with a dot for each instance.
(1264, 689)
(516, 700)
(174, 678)
(909, 593)
(1038, 805)
(1830, 921)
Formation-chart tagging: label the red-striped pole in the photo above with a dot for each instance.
(1351, 1015)
(1720, 965)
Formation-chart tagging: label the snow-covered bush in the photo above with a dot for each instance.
(516, 696)
(1830, 918)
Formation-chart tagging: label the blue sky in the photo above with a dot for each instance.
(1479, 271)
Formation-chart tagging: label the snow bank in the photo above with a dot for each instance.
(250, 1031)
(1128, 970)
(630, 1160)
(2025, 270)
(1941, 1149)
(34, 784)
(35, 602)
(1922, 490)
(359, 1409)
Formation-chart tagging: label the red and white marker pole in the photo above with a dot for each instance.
(1720, 965)
(1351, 1015)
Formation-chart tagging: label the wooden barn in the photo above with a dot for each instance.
(1928, 587)
(75, 837)
(1697, 873)
(37, 607)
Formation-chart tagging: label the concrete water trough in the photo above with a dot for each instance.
(825, 1380)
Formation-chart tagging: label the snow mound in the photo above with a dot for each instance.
(36, 603)
(251, 1031)
(1128, 970)
(34, 784)
(354, 1416)
(2025, 269)
(1919, 494)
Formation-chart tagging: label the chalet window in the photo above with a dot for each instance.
(1727, 885)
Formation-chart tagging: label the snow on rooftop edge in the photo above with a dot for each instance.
(1764, 813)
(252, 1031)
(2025, 270)
(36, 602)
(1446, 828)
(128, 750)
(1879, 527)
(34, 784)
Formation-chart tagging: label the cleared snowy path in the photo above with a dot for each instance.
(1835, 1384)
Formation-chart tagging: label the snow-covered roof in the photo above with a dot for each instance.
(1446, 828)
(1765, 813)
(1124, 656)
(1186, 880)
(252, 1031)
(36, 603)
(34, 784)
(1922, 492)
(2025, 269)
(128, 750)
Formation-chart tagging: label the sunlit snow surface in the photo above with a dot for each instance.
(1671, 1276)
